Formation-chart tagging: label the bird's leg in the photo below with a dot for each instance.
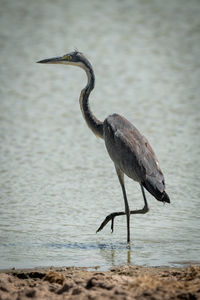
(120, 175)
(111, 217)
(108, 218)
(145, 208)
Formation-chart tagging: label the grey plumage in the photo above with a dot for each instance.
(133, 155)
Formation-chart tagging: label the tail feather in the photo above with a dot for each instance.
(160, 196)
(165, 197)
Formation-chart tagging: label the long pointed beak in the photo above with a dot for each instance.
(53, 60)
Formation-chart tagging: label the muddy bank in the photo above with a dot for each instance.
(127, 282)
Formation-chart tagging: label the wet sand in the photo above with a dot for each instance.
(126, 282)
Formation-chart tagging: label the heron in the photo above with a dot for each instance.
(129, 150)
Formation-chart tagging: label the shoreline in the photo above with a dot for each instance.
(124, 282)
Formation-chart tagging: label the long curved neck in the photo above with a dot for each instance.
(93, 123)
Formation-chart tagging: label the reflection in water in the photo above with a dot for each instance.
(109, 252)
(128, 256)
(112, 256)
(112, 252)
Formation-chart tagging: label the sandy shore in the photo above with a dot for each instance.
(126, 282)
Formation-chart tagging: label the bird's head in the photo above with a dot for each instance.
(74, 58)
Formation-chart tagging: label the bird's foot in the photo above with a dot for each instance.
(109, 218)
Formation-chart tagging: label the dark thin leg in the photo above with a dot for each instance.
(144, 197)
(111, 217)
(120, 175)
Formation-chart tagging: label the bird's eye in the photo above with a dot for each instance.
(67, 57)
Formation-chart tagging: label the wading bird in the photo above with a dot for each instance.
(128, 148)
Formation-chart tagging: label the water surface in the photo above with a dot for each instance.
(57, 181)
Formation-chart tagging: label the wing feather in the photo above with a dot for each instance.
(131, 152)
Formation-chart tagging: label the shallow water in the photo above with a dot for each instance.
(57, 181)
